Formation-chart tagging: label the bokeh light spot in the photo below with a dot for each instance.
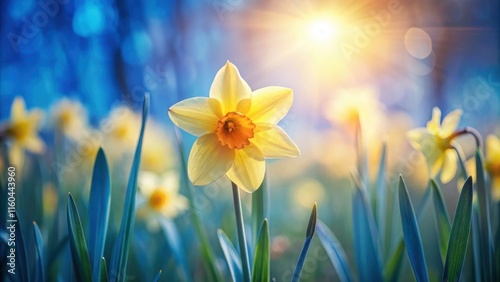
(89, 20)
(418, 43)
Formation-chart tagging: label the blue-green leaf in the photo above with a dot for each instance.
(174, 242)
(100, 197)
(411, 234)
(486, 239)
(121, 247)
(335, 252)
(366, 241)
(311, 228)
(39, 253)
(21, 265)
(79, 253)
(231, 255)
(261, 264)
(442, 219)
(157, 277)
(459, 236)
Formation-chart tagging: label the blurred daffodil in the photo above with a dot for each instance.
(435, 142)
(492, 163)
(121, 130)
(22, 130)
(69, 117)
(237, 130)
(161, 196)
(157, 149)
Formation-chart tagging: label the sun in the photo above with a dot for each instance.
(322, 30)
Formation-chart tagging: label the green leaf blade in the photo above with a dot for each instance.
(411, 234)
(261, 265)
(100, 199)
(442, 219)
(121, 247)
(459, 236)
(335, 252)
(231, 255)
(39, 253)
(79, 252)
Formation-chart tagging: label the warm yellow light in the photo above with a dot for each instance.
(322, 30)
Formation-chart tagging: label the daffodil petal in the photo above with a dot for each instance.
(230, 88)
(197, 116)
(273, 141)
(18, 110)
(419, 137)
(495, 189)
(270, 104)
(435, 123)
(208, 160)
(247, 172)
(449, 166)
(16, 155)
(147, 182)
(450, 123)
(34, 144)
(254, 151)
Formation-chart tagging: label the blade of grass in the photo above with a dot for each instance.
(442, 219)
(207, 254)
(366, 241)
(261, 264)
(476, 245)
(459, 236)
(380, 203)
(174, 242)
(21, 250)
(486, 240)
(39, 253)
(260, 208)
(100, 198)
(411, 234)
(393, 267)
(80, 255)
(157, 277)
(103, 275)
(121, 247)
(311, 228)
(231, 255)
(335, 252)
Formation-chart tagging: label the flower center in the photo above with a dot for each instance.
(158, 199)
(234, 130)
(19, 130)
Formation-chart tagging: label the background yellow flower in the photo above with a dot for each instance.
(22, 131)
(237, 130)
(434, 142)
(492, 163)
(161, 196)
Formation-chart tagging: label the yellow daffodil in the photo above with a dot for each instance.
(69, 117)
(492, 163)
(161, 196)
(435, 142)
(237, 130)
(22, 131)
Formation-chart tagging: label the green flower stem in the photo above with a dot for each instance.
(241, 233)
(461, 162)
